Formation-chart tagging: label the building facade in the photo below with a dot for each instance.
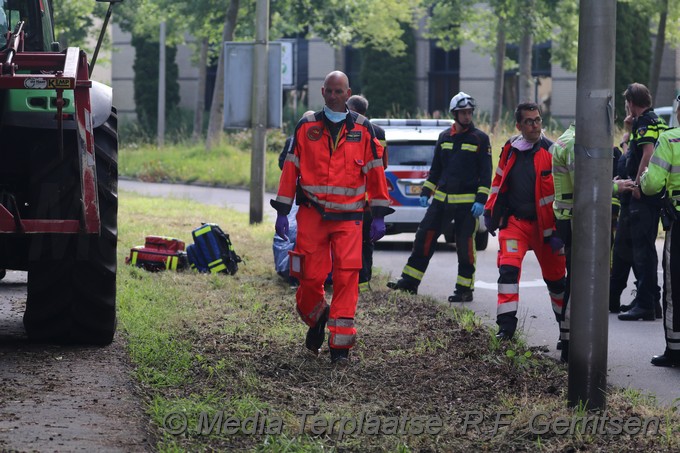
(439, 75)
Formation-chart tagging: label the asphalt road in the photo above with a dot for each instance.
(631, 344)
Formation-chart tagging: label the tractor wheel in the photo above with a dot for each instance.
(73, 299)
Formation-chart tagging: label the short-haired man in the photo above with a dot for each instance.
(459, 182)
(643, 210)
(520, 206)
(336, 161)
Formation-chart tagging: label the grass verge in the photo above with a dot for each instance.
(220, 361)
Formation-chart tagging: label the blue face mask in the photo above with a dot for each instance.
(334, 117)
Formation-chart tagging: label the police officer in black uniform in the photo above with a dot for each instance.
(459, 180)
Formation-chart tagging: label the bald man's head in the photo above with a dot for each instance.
(336, 91)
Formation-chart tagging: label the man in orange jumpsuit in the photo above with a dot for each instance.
(520, 205)
(335, 164)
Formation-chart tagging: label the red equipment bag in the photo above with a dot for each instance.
(159, 253)
(163, 243)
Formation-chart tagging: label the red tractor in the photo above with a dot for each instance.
(58, 178)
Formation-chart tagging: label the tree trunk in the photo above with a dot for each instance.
(200, 90)
(655, 68)
(217, 107)
(499, 71)
(525, 80)
(525, 47)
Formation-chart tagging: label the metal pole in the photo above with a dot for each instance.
(591, 222)
(161, 87)
(259, 110)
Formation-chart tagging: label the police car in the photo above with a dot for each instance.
(410, 148)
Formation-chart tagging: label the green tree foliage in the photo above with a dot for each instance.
(146, 83)
(361, 23)
(74, 22)
(633, 52)
(388, 81)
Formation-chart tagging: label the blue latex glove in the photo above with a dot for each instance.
(377, 228)
(423, 200)
(556, 243)
(281, 226)
(487, 224)
(477, 209)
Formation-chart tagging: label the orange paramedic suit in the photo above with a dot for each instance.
(518, 235)
(331, 181)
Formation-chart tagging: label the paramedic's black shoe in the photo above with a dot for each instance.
(401, 285)
(559, 345)
(339, 357)
(504, 335)
(665, 360)
(638, 312)
(316, 334)
(461, 296)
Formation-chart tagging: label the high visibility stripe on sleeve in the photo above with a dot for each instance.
(546, 200)
(284, 200)
(291, 157)
(655, 159)
(429, 185)
(371, 165)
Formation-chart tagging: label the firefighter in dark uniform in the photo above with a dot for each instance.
(644, 210)
(358, 103)
(459, 181)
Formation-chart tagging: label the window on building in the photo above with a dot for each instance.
(540, 58)
(444, 77)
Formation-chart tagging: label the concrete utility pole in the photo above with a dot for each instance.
(591, 224)
(161, 87)
(259, 110)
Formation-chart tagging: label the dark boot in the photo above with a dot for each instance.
(637, 312)
(667, 359)
(625, 308)
(461, 296)
(339, 356)
(316, 334)
(504, 334)
(507, 324)
(403, 285)
(564, 353)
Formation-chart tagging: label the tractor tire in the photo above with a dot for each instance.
(482, 240)
(72, 298)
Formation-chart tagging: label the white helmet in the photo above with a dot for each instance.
(461, 101)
